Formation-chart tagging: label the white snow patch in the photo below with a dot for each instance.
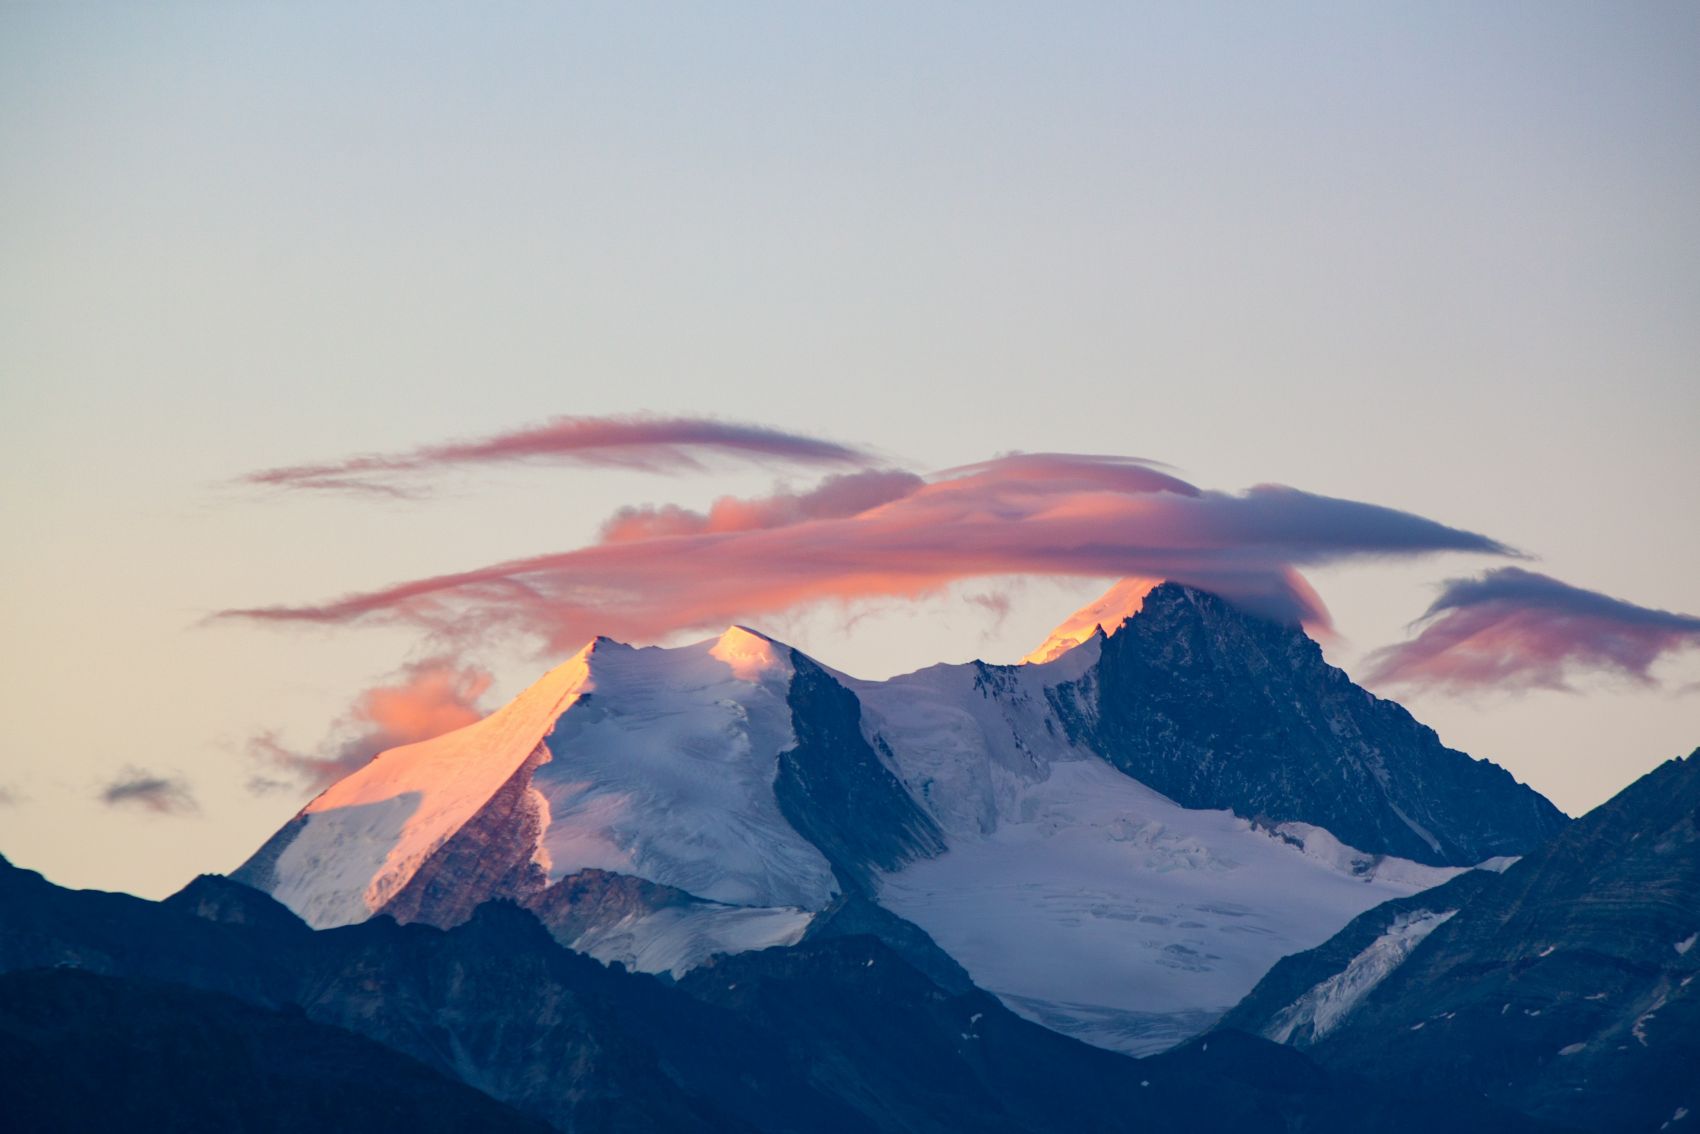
(1499, 864)
(1417, 828)
(1326, 1005)
(1682, 947)
(1639, 1029)
(1547, 952)
(1572, 1048)
(676, 939)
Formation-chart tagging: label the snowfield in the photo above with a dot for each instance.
(1101, 909)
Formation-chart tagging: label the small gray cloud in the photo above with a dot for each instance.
(138, 787)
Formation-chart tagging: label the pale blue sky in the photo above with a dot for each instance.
(1443, 257)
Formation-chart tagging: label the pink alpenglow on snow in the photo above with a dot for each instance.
(1105, 613)
(651, 444)
(1516, 629)
(885, 535)
(393, 812)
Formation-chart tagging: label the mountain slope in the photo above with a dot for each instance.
(1565, 988)
(81, 1052)
(1215, 708)
(839, 1035)
(661, 806)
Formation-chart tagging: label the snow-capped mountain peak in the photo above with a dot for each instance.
(1101, 617)
(751, 655)
(660, 805)
(362, 840)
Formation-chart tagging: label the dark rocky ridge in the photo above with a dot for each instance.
(79, 1052)
(833, 1035)
(1216, 708)
(1568, 988)
(856, 915)
(835, 791)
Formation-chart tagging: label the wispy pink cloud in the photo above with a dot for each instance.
(648, 443)
(1512, 629)
(426, 699)
(658, 571)
(847, 494)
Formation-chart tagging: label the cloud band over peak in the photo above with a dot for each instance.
(880, 534)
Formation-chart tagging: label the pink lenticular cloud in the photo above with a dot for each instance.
(650, 444)
(1513, 629)
(659, 571)
(427, 699)
(848, 494)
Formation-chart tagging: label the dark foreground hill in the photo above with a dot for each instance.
(1567, 988)
(89, 1052)
(836, 1034)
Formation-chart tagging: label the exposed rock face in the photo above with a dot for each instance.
(591, 899)
(834, 790)
(494, 856)
(1216, 708)
(1566, 988)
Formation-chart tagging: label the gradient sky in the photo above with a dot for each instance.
(1439, 257)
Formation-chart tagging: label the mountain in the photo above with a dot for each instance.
(834, 1035)
(79, 1051)
(1118, 841)
(1214, 709)
(1564, 988)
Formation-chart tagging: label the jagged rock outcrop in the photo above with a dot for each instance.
(1217, 708)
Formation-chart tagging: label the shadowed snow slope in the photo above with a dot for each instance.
(1091, 903)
